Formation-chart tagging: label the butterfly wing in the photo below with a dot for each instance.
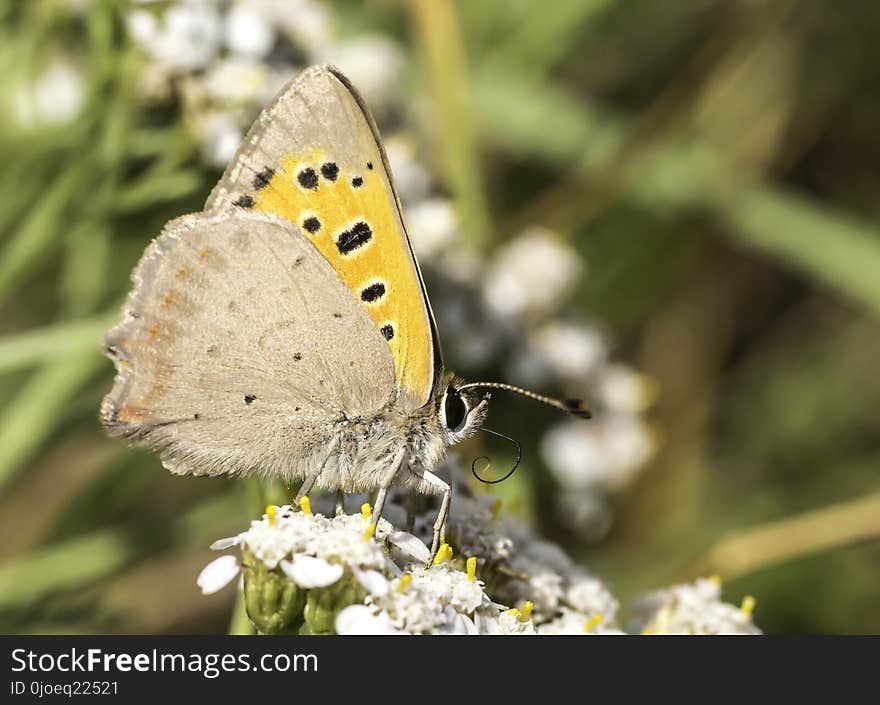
(239, 347)
(314, 157)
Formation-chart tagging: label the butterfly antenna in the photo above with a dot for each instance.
(576, 407)
(489, 462)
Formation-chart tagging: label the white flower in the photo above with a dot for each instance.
(306, 22)
(249, 30)
(607, 452)
(572, 351)
(623, 389)
(509, 622)
(531, 275)
(431, 224)
(360, 619)
(372, 581)
(372, 62)
(576, 454)
(235, 81)
(218, 574)
(693, 608)
(591, 598)
(187, 39)
(545, 590)
(54, 98)
(573, 622)
(220, 135)
(412, 180)
(409, 548)
(310, 572)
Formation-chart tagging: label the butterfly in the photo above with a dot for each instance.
(285, 330)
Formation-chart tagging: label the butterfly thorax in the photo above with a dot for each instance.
(362, 448)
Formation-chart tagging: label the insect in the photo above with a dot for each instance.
(285, 330)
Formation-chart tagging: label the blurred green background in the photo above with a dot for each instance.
(715, 163)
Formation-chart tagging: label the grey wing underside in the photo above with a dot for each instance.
(239, 348)
(320, 109)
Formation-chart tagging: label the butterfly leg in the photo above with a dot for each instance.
(442, 515)
(384, 483)
(310, 480)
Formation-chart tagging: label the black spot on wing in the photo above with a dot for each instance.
(357, 181)
(388, 331)
(373, 292)
(249, 399)
(329, 171)
(262, 179)
(357, 236)
(312, 224)
(244, 202)
(308, 178)
(370, 166)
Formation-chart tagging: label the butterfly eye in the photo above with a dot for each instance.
(454, 409)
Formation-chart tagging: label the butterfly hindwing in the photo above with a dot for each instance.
(314, 158)
(239, 346)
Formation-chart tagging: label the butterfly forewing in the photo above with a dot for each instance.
(313, 157)
(239, 346)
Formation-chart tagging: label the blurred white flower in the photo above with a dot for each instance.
(371, 61)
(410, 177)
(591, 598)
(621, 388)
(432, 225)
(306, 22)
(693, 608)
(573, 351)
(249, 30)
(545, 591)
(573, 622)
(54, 98)
(219, 134)
(185, 38)
(576, 454)
(235, 81)
(531, 275)
(607, 452)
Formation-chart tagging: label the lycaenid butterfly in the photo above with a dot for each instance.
(285, 330)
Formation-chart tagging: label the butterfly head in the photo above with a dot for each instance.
(462, 411)
(462, 407)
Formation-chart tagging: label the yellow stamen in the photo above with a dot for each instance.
(715, 580)
(514, 612)
(404, 582)
(366, 511)
(270, 513)
(748, 606)
(647, 632)
(472, 568)
(444, 553)
(306, 505)
(526, 611)
(370, 531)
(496, 507)
(593, 622)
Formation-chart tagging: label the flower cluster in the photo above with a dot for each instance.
(225, 59)
(313, 574)
(693, 609)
